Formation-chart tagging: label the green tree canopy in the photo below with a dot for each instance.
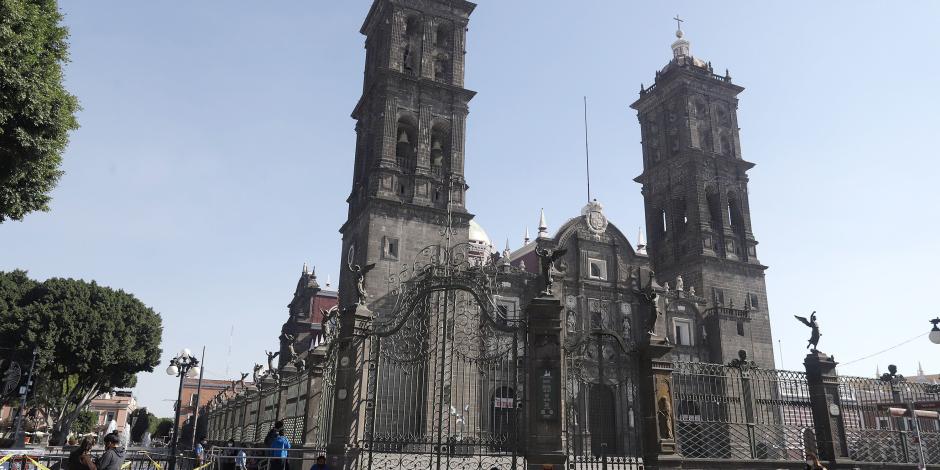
(85, 422)
(36, 112)
(91, 340)
(162, 427)
(142, 419)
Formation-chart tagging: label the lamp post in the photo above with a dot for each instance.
(183, 365)
(19, 441)
(935, 331)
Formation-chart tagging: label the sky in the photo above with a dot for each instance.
(215, 155)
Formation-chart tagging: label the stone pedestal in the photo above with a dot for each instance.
(655, 390)
(543, 390)
(823, 385)
(350, 400)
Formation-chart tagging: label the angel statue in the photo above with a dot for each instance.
(256, 373)
(289, 339)
(360, 273)
(548, 257)
(241, 381)
(271, 356)
(814, 336)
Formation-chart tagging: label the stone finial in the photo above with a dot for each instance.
(525, 241)
(543, 226)
(640, 242)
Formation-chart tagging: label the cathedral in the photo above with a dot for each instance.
(408, 187)
(447, 368)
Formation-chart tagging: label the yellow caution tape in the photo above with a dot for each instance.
(154, 462)
(37, 464)
(126, 465)
(5, 458)
(203, 466)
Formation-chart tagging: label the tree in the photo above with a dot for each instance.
(36, 112)
(85, 422)
(91, 340)
(162, 427)
(142, 420)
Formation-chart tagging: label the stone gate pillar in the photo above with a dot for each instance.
(316, 361)
(351, 400)
(823, 383)
(543, 386)
(655, 379)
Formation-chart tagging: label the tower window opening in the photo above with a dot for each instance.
(662, 222)
(714, 208)
(441, 68)
(443, 36)
(740, 327)
(734, 214)
(401, 189)
(405, 144)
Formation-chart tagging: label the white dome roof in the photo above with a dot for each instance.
(478, 235)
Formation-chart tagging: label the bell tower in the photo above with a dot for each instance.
(695, 190)
(408, 180)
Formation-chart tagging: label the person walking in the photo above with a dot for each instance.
(279, 452)
(241, 459)
(80, 458)
(200, 452)
(113, 456)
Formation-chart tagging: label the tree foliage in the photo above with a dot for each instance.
(36, 112)
(91, 340)
(85, 422)
(162, 427)
(142, 419)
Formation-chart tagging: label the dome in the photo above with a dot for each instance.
(478, 236)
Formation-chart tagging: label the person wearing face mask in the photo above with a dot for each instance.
(813, 463)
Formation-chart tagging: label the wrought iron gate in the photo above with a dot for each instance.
(445, 371)
(602, 413)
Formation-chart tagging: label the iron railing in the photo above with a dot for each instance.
(730, 412)
(874, 435)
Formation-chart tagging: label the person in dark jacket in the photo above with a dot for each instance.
(321, 464)
(80, 458)
(113, 456)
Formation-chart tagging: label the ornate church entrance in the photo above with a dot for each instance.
(445, 370)
(602, 422)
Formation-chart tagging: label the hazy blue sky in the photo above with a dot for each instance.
(216, 150)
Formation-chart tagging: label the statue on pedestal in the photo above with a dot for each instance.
(813, 342)
(548, 257)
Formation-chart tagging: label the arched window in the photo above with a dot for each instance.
(406, 139)
(682, 217)
(714, 207)
(440, 149)
(411, 45)
(735, 216)
(443, 35)
(442, 68)
(724, 144)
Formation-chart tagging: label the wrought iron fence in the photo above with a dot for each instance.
(744, 412)
(874, 435)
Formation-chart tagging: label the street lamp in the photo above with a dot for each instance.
(935, 331)
(183, 365)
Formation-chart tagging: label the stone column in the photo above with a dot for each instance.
(823, 383)
(351, 400)
(543, 388)
(315, 398)
(655, 380)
